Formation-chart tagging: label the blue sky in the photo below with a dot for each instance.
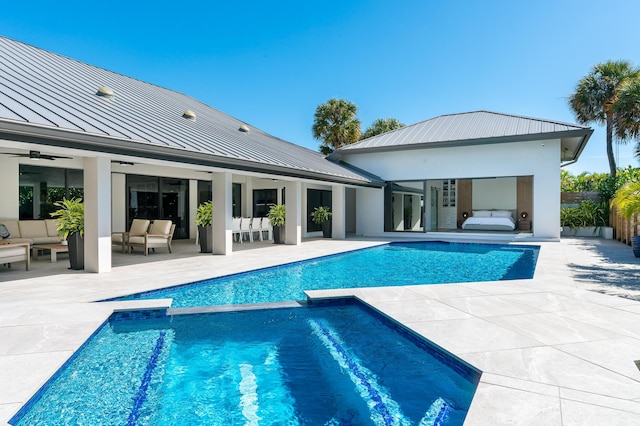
(271, 63)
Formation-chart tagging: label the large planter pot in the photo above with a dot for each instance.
(635, 245)
(278, 234)
(76, 251)
(580, 231)
(606, 232)
(205, 239)
(326, 229)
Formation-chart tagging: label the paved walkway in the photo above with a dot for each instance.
(555, 350)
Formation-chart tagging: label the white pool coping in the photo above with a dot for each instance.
(551, 351)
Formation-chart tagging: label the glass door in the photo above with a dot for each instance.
(152, 197)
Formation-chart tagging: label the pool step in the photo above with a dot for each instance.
(384, 410)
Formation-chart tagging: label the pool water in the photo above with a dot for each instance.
(394, 264)
(338, 365)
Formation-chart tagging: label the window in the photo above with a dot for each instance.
(262, 200)
(316, 198)
(205, 194)
(40, 187)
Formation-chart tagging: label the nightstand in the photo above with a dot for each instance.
(524, 225)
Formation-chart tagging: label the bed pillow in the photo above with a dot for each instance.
(501, 213)
(481, 213)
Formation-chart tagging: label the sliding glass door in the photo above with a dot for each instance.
(152, 197)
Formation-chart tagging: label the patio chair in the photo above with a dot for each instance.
(265, 226)
(138, 226)
(256, 226)
(235, 228)
(160, 235)
(245, 228)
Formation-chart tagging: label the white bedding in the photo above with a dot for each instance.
(489, 223)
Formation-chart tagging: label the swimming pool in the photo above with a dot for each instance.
(393, 264)
(333, 365)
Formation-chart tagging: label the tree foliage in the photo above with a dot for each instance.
(382, 125)
(598, 99)
(336, 124)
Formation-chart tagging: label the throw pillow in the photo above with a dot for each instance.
(4, 232)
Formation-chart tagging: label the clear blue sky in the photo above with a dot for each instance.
(271, 63)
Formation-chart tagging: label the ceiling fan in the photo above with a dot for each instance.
(35, 155)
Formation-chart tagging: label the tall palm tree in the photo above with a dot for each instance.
(336, 124)
(596, 97)
(382, 125)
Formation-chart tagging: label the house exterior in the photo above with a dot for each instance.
(455, 164)
(132, 149)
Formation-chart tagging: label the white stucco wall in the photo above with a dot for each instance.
(500, 193)
(369, 211)
(540, 159)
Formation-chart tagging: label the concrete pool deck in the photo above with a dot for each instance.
(555, 350)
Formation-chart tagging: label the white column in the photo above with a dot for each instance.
(293, 224)
(339, 212)
(222, 210)
(193, 207)
(9, 189)
(118, 202)
(97, 214)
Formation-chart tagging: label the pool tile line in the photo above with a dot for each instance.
(460, 366)
(141, 395)
(136, 296)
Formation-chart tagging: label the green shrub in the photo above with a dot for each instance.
(587, 213)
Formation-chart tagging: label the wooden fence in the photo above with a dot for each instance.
(623, 229)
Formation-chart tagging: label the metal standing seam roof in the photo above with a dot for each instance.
(47, 91)
(469, 128)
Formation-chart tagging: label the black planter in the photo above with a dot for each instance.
(76, 251)
(205, 239)
(278, 234)
(635, 245)
(326, 229)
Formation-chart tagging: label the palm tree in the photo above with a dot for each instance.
(627, 200)
(596, 97)
(382, 125)
(336, 124)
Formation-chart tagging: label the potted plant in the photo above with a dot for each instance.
(627, 203)
(277, 215)
(204, 218)
(70, 219)
(322, 216)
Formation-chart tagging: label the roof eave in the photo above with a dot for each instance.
(65, 138)
(584, 132)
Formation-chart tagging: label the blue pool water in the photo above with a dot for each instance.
(392, 264)
(338, 365)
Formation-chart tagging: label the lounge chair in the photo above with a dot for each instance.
(138, 227)
(160, 235)
(15, 252)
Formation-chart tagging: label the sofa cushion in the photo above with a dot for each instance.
(32, 228)
(12, 226)
(46, 240)
(52, 227)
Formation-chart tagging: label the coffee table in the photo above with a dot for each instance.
(53, 248)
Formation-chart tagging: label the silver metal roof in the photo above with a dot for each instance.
(51, 99)
(476, 127)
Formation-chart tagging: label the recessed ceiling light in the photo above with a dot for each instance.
(188, 114)
(244, 128)
(105, 91)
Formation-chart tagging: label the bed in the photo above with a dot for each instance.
(490, 220)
